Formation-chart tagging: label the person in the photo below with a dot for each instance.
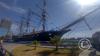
(2, 51)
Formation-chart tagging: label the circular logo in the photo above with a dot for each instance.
(84, 44)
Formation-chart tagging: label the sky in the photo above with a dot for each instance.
(60, 12)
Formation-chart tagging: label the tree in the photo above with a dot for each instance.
(36, 44)
(73, 49)
(5, 23)
(55, 41)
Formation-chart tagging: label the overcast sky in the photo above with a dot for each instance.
(60, 12)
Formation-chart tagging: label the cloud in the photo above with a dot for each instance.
(4, 5)
(12, 8)
(19, 10)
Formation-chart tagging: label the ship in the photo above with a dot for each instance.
(46, 35)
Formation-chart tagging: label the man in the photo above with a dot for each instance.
(2, 50)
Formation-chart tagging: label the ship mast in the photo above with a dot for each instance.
(28, 19)
(44, 12)
(20, 27)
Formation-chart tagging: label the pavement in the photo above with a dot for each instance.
(10, 46)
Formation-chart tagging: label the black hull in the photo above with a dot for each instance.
(42, 36)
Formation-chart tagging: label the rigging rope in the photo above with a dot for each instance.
(85, 21)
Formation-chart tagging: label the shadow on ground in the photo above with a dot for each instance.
(51, 53)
